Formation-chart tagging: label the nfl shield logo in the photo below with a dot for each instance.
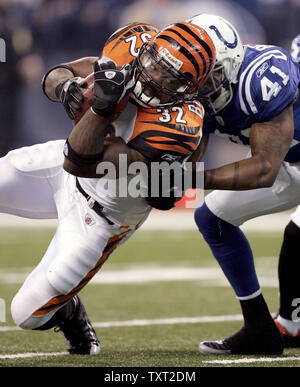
(110, 74)
(89, 220)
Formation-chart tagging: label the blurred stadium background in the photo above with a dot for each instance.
(42, 33)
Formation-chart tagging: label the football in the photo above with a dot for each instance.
(88, 96)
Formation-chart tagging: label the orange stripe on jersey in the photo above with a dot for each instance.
(123, 45)
(172, 148)
(166, 141)
(59, 300)
(187, 119)
(176, 130)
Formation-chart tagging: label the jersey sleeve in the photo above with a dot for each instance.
(168, 134)
(268, 85)
(124, 44)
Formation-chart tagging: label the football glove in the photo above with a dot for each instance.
(111, 85)
(69, 94)
(167, 197)
(162, 203)
(180, 179)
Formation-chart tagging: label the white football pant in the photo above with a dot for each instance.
(236, 207)
(33, 184)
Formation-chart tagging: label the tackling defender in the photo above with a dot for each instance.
(252, 99)
(288, 265)
(41, 182)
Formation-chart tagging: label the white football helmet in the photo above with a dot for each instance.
(295, 49)
(217, 92)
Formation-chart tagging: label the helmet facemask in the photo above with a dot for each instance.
(158, 83)
(217, 92)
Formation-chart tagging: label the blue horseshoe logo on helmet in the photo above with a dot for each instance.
(218, 33)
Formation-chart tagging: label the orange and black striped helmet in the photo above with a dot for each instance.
(171, 67)
(123, 45)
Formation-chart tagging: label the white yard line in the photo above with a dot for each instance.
(160, 321)
(10, 329)
(166, 321)
(31, 354)
(236, 361)
(169, 321)
(253, 360)
(171, 220)
(139, 275)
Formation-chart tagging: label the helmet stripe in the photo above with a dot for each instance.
(196, 37)
(193, 47)
(120, 31)
(183, 51)
(130, 29)
(200, 41)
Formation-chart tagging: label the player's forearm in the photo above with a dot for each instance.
(84, 66)
(78, 68)
(251, 173)
(53, 79)
(270, 142)
(87, 142)
(87, 136)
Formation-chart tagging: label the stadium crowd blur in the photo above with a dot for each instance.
(41, 33)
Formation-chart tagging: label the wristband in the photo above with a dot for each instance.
(78, 158)
(58, 89)
(48, 72)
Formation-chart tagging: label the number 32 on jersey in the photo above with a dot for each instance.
(166, 114)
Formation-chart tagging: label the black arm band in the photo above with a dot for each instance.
(48, 72)
(79, 159)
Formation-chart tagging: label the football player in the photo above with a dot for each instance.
(288, 317)
(252, 98)
(60, 179)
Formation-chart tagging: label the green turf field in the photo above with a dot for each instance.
(150, 277)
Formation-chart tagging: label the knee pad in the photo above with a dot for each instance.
(21, 313)
(71, 265)
(37, 157)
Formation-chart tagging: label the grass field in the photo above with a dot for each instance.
(156, 298)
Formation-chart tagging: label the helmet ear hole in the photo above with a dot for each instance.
(192, 86)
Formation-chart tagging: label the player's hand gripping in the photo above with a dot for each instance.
(168, 194)
(69, 94)
(110, 86)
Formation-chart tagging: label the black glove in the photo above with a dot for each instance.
(162, 203)
(165, 199)
(110, 87)
(69, 94)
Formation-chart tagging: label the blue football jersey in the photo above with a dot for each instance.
(269, 81)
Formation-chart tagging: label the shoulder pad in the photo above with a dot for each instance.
(265, 81)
